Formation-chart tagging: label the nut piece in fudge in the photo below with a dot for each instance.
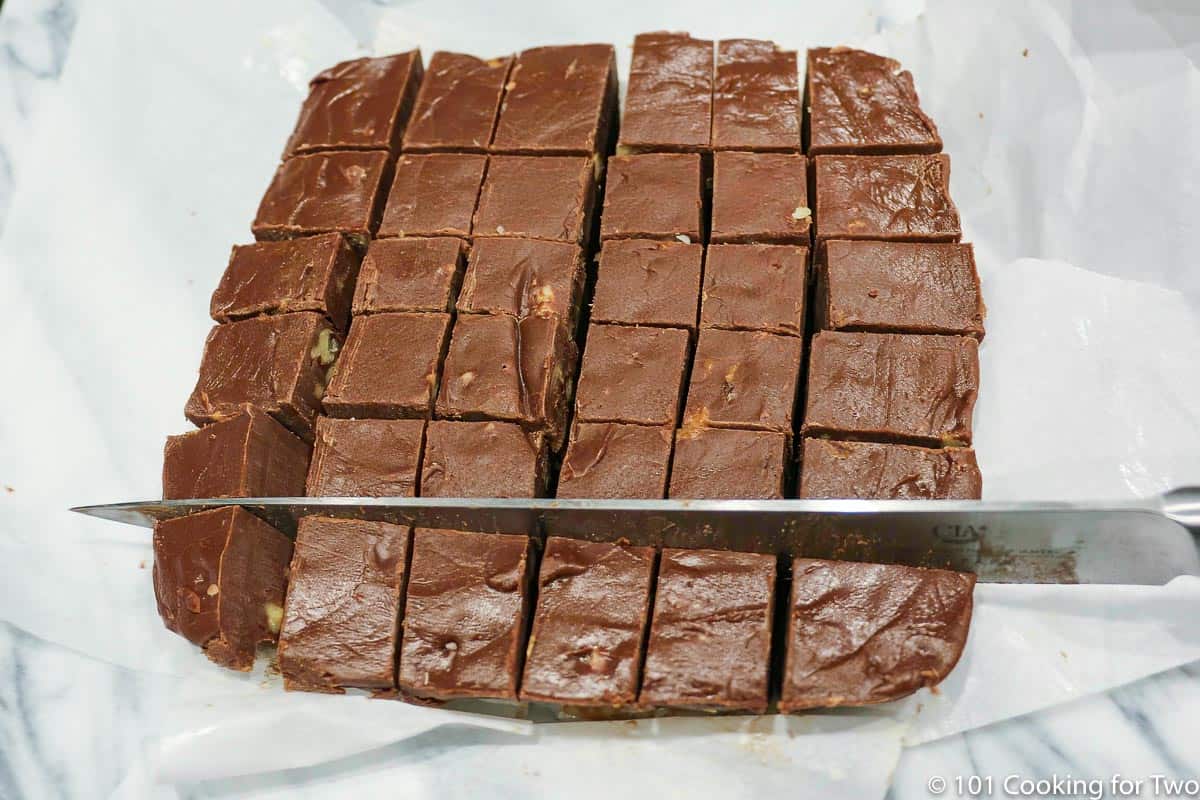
(537, 198)
(409, 275)
(483, 459)
(710, 638)
(653, 196)
(868, 633)
(345, 598)
(760, 197)
(458, 103)
(366, 458)
(610, 460)
(523, 277)
(744, 379)
(895, 198)
(723, 463)
(219, 579)
(670, 72)
(872, 471)
(632, 375)
(643, 282)
(756, 97)
(755, 287)
(433, 195)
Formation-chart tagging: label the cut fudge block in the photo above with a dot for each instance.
(219, 579)
(250, 455)
(409, 275)
(653, 196)
(315, 273)
(609, 460)
(895, 198)
(389, 367)
(744, 379)
(755, 287)
(362, 104)
(276, 364)
(366, 458)
(900, 287)
(537, 198)
(322, 193)
(559, 101)
(523, 277)
(872, 471)
(632, 375)
(643, 282)
(345, 598)
(760, 197)
(668, 103)
(585, 644)
(859, 102)
(433, 194)
(868, 633)
(483, 459)
(710, 638)
(722, 463)
(464, 622)
(756, 97)
(458, 103)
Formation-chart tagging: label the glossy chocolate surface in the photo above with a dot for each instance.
(433, 194)
(743, 379)
(896, 198)
(756, 97)
(653, 196)
(483, 459)
(668, 103)
(537, 198)
(644, 282)
(414, 274)
(366, 458)
(872, 471)
(723, 463)
(610, 460)
(631, 375)
(457, 105)
(760, 197)
(523, 277)
(755, 287)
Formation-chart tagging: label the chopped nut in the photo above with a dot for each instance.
(500, 229)
(465, 379)
(326, 349)
(802, 212)
(683, 237)
(274, 613)
(213, 590)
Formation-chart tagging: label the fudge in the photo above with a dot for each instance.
(644, 282)
(895, 198)
(872, 471)
(483, 459)
(869, 633)
(219, 580)
(760, 197)
(585, 644)
(900, 287)
(744, 379)
(433, 194)
(409, 275)
(863, 103)
(457, 106)
(723, 463)
(609, 460)
(756, 97)
(523, 277)
(559, 101)
(358, 105)
(323, 193)
(315, 273)
(892, 387)
(632, 375)
(276, 364)
(366, 458)
(537, 198)
(464, 623)
(710, 638)
(755, 287)
(389, 367)
(345, 598)
(668, 103)
(250, 455)
(653, 196)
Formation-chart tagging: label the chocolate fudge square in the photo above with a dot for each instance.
(219, 580)
(250, 455)
(900, 287)
(756, 97)
(861, 634)
(644, 282)
(723, 463)
(537, 198)
(653, 196)
(315, 273)
(464, 621)
(409, 275)
(760, 197)
(523, 277)
(585, 644)
(668, 103)
(276, 364)
(632, 375)
(366, 458)
(345, 598)
(358, 105)
(610, 460)
(710, 638)
(433, 194)
(458, 103)
(892, 387)
(744, 379)
(863, 103)
(323, 193)
(389, 367)
(874, 471)
(755, 287)
(894, 198)
(483, 459)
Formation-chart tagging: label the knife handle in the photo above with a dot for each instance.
(1183, 506)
